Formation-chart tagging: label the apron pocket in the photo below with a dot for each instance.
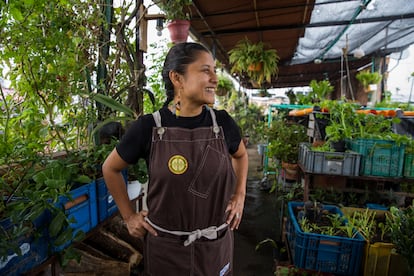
(166, 256)
(214, 257)
(212, 165)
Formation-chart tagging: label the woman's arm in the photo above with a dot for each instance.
(236, 205)
(135, 222)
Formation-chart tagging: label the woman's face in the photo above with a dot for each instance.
(200, 81)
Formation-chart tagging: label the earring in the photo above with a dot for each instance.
(177, 109)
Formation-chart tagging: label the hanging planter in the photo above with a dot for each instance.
(179, 30)
(254, 60)
(177, 12)
(224, 85)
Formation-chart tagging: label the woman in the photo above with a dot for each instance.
(197, 168)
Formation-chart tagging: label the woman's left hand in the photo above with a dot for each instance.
(235, 206)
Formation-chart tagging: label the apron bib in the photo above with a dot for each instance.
(191, 182)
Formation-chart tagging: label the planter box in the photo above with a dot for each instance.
(335, 163)
(106, 203)
(331, 254)
(34, 251)
(379, 157)
(82, 208)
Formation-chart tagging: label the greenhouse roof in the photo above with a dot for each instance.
(310, 36)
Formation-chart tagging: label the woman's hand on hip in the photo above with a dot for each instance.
(235, 206)
(137, 226)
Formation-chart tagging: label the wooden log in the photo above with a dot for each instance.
(114, 247)
(118, 228)
(93, 262)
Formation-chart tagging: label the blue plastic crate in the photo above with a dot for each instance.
(84, 213)
(379, 157)
(106, 203)
(34, 251)
(330, 254)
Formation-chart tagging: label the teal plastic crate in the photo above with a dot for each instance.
(323, 253)
(323, 162)
(409, 165)
(379, 157)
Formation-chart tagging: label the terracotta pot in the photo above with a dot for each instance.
(179, 30)
(291, 170)
(255, 67)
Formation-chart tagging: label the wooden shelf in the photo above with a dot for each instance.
(395, 180)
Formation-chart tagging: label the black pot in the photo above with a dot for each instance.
(338, 146)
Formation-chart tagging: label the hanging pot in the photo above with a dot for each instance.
(257, 67)
(179, 30)
(221, 92)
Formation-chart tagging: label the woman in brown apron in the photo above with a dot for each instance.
(197, 168)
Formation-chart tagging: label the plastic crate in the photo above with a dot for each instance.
(377, 259)
(409, 165)
(377, 256)
(331, 254)
(84, 212)
(34, 251)
(335, 163)
(379, 157)
(106, 203)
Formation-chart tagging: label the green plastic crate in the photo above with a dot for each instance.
(409, 165)
(379, 157)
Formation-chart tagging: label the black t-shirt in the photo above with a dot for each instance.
(136, 142)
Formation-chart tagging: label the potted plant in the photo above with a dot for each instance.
(177, 15)
(224, 85)
(342, 123)
(367, 78)
(320, 90)
(284, 138)
(254, 60)
(401, 223)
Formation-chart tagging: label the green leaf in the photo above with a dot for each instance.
(113, 104)
(16, 14)
(57, 224)
(64, 237)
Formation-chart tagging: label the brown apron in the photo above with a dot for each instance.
(191, 182)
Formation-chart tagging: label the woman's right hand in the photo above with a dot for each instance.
(137, 226)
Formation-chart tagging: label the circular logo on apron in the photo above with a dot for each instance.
(177, 164)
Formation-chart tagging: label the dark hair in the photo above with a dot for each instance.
(178, 58)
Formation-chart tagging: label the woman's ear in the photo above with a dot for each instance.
(175, 78)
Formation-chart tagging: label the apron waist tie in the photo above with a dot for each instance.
(209, 232)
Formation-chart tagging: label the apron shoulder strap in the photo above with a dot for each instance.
(216, 128)
(157, 119)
